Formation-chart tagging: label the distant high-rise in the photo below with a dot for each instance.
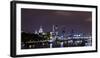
(53, 30)
(56, 29)
(63, 32)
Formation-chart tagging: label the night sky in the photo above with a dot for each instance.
(32, 19)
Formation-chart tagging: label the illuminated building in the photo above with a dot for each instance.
(41, 29)
(36, 32)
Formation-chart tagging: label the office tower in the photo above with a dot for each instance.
(53, 30)
(63, 35)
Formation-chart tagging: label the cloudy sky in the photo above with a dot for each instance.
(32, 19)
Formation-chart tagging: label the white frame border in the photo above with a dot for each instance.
(52, 7)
